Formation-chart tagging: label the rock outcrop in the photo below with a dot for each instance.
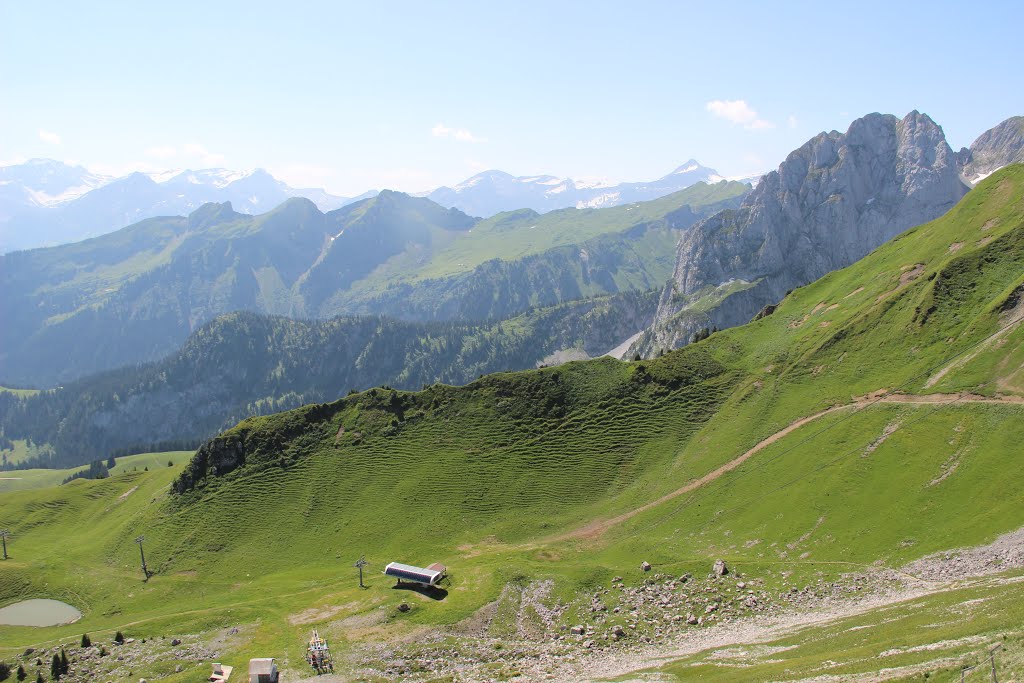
(829, 204)
(995, 148)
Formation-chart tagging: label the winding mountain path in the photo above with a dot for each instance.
(597, 528)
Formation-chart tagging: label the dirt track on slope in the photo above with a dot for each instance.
(597, 528)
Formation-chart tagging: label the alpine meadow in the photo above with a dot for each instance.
(377, 411)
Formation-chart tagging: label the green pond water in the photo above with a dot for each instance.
(38, 613)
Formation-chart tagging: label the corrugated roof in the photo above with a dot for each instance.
(408, 568)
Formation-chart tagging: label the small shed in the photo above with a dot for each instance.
(406, 573)
(262, 670)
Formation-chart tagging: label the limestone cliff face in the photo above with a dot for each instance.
(995, 148)
(829, 204)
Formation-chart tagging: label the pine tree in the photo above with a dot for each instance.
(119, 638)
(21, 673)
(55, 667)
(65, 666)
(5, 671)
(85, 640)
(111, 462)
(39, 677)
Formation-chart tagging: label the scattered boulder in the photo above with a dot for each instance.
(691, 620)
(646, 566)
(175, 642)
(404, 607)
(719, 568)
(618, 631)
(577, 630)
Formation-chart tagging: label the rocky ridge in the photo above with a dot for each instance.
(995, 148)
(829, 204)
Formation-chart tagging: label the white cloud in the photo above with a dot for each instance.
(738, 112)
(461, 134)
(209, 158)
(49, 137)
(792, 121)
(162, 151)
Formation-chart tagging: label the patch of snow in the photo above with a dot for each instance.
(41, 198)
(605, 199)
(981, 176)
(539, 180)
(689, 169)
(751, 179)
(164, 176)
(593, 183)
(558, 190)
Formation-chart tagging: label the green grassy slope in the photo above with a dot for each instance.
(20, 480)
(244, 364)
(501, 479)
(515, 234)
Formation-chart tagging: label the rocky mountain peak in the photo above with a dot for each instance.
(828, 204)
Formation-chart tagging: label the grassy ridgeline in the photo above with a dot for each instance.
(495, 478)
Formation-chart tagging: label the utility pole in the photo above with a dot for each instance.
(145, 571)
(4, 533)
(360, 563)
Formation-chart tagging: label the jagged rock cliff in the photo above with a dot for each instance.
(829, 204)
(995, 148)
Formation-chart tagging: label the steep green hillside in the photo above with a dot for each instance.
(244, 364)
(903, 369)
(134, 295)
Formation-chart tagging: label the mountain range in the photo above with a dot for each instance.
(47, 203)
(491, 192)
(134, 295)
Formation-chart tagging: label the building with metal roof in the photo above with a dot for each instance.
(406, 573)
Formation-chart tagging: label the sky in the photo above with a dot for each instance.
(411, 96)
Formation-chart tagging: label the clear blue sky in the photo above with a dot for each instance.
(414, 95)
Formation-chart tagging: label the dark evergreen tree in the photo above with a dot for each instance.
(55, 667)
(21, 673)
(85, 640)
(5, 671)
(111, 462)
(65, 666)
(119, 638)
